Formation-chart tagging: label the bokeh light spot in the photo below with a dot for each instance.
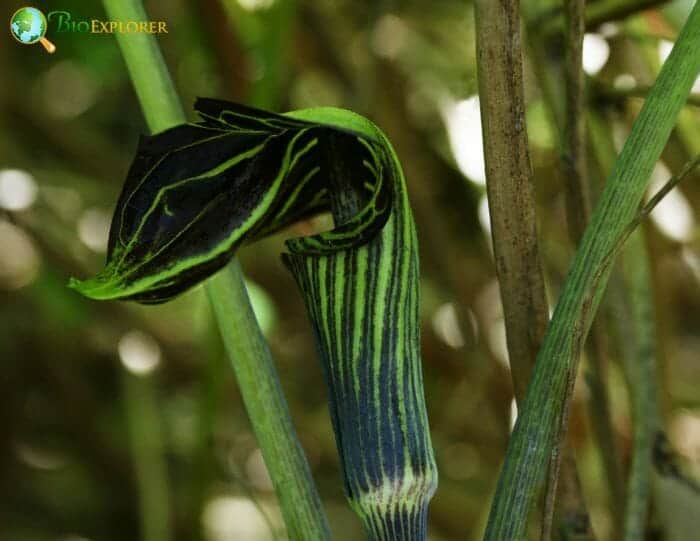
(625, 81)
(255, 5)
(463, 122)
(139, 353)
(685, 434)
(595, 53)
(93, 229)
(665, 48)
(484, 215)
(446, 325)
(233, 517)
(673, 216)
(18, 189)
(20, 265)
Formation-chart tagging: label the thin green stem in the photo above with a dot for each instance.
(640, 367)
(560, 79)
(577, 210)
(637, 331)
(597, 13)
(266, 406)
(146, 441)
(578, 205)
(533, 436)
(245, 344)
(149, 75)
(613, 94)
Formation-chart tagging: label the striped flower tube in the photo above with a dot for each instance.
(197, 192)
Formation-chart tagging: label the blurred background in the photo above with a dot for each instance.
(110, 410)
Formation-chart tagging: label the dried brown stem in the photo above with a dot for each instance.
(509, 184)
(511, 202)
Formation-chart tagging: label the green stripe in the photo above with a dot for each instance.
(360, 281)
(380, 421)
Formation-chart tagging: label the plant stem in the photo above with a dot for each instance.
(577, 205)
(533, 436)
(147, 448)
(596, 13)
(637, 330)
(245, 344)
(266, 406)
(512, 207)
(561, 80)
(509, 185)
(640, 367)
(578, 210)
(639, 91)
(149, 75)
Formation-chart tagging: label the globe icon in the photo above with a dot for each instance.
(28, 26)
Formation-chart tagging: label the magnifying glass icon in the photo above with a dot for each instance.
(28, 26)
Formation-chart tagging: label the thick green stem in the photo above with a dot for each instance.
(533, 436)
(243, 338)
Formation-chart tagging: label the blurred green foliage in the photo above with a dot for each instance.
(79, 379)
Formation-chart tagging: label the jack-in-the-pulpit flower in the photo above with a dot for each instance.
(197, 192)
